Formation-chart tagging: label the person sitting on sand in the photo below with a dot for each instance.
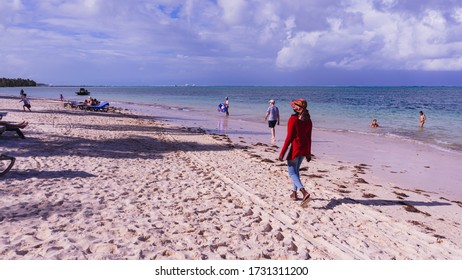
(374, 123)
(423, 118)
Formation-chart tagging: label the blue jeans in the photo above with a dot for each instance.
(294, 172)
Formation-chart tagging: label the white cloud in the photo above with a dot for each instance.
(377, 39)
(268, 20)
(438, 64)
(291, 35)
(234, 12)
(299, 51)
(457, 15)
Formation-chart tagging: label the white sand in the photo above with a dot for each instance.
(117, 185)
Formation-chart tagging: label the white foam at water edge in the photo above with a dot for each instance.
(418, 142)
(442, 142)
(390, 135)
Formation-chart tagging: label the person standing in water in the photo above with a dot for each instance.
(227, 106)
(272, 115)
(423, 118)
(297, 146)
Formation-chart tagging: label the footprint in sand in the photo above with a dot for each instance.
(43, 233)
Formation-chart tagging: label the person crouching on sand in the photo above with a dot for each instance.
(297, 146)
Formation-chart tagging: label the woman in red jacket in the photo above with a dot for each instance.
(298, 146)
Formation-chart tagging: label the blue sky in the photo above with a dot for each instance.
(232, 42)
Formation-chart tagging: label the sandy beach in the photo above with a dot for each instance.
(123, 185)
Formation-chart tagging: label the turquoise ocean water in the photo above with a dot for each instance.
(332, 108)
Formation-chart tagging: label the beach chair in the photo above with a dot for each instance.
(9, 166)
(18, 131)
(82, 106)
(103, 106)
(71, 104)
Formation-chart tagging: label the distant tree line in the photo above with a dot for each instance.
(5, 82)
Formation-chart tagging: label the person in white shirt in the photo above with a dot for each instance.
(26, 102)
(272, 116)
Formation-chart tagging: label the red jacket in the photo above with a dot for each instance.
(299, 134)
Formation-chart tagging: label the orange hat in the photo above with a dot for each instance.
(299, 104)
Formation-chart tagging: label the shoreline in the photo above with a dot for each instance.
(333, 118)
(125, 185)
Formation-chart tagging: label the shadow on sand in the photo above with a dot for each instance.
(42, 210)
(382, 202)
(44, 174)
